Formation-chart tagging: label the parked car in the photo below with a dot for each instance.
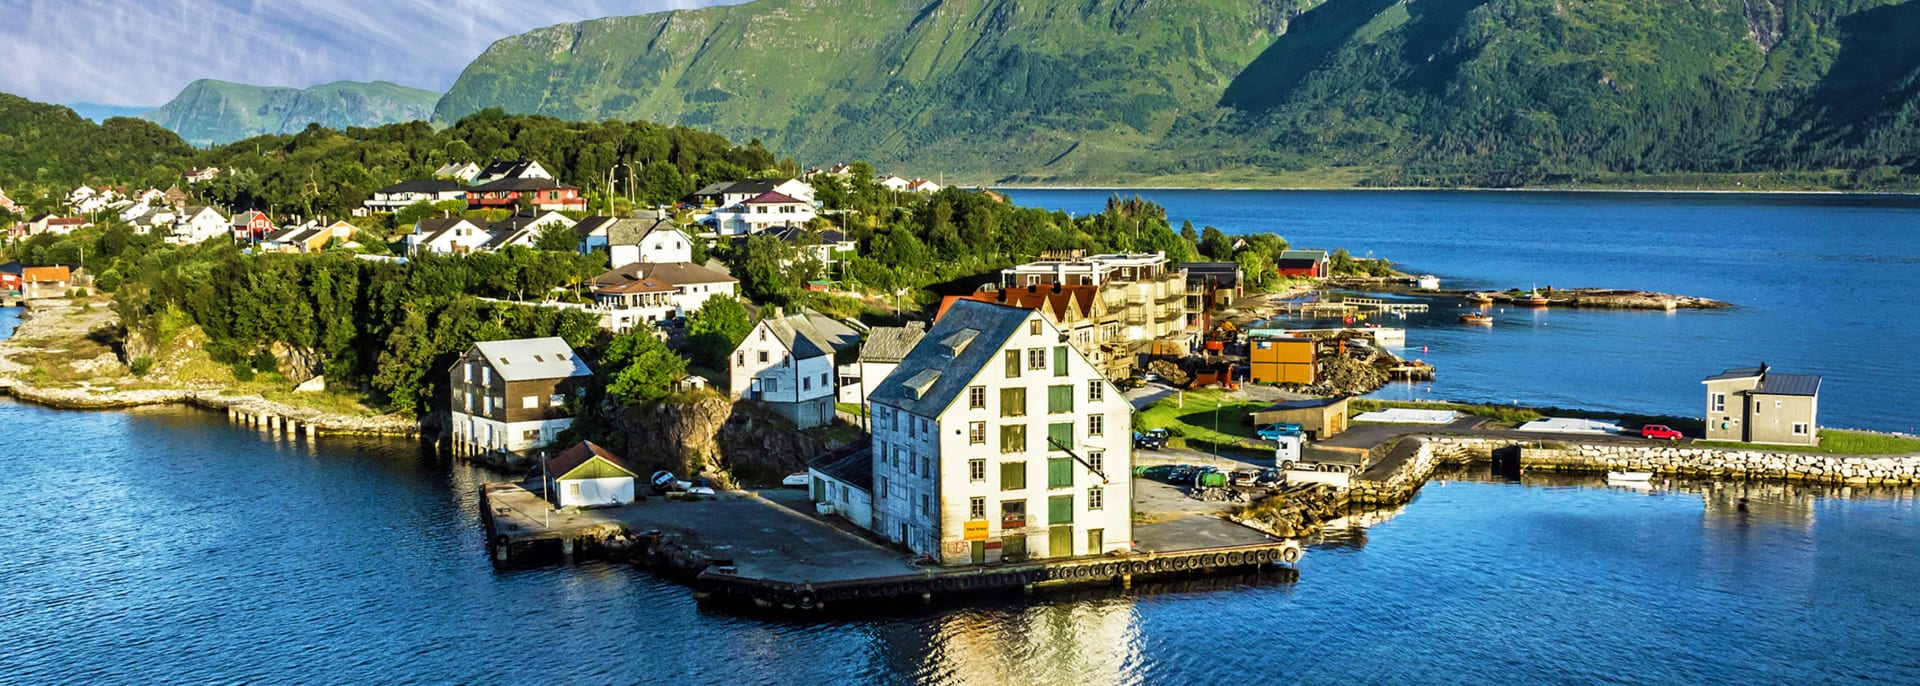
(1661, 431)
(1269, 478)
(1151, 439)
(1243, 477)
(1130, 383)
(1273, 432)
(797, 480)
(1182, 474)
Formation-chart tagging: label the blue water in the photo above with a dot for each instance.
(1825, 285)
(165, 545)
(9, 320)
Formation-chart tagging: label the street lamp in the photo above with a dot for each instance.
(630, 174)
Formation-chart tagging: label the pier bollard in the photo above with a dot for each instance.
(566, 550)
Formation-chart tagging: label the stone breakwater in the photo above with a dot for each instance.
(254, 407)
(1432, 452)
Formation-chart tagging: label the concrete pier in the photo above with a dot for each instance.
(769, 550)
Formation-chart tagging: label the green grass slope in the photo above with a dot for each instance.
(209, 112)
(1816, 93)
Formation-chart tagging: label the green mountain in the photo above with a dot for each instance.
(211, 112)
(51, 147)
(1441, 92)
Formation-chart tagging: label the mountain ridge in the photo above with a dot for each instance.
(1426, 92)
(211, 112)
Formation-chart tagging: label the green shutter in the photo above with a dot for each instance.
(1059, 399)
(1013, 438)
(1060, 360)
(1059, 472)
(1060, 436)
(1013, 364)
(1013, 402)
(1013, 476)
(1060, 509)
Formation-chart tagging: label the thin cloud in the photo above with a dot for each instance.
(135, 52)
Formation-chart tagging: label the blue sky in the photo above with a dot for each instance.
(142, 52)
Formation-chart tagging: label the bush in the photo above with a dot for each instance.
(265, 362)
(242, 372)
(141, 365)
(109, 280)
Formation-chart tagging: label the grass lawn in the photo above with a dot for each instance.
(1835, 442)
(852, 409)
(1195, 420)
(1511, 416)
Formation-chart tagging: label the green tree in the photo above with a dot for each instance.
(1215, 245)
(644, 368)
(715, 329)
(557, 238)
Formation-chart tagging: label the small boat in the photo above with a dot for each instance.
(1477, 319)
(1480, 297)
(1531, 299)
(1630, 476)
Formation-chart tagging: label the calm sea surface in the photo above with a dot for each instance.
(1824, 285)
(165, 545)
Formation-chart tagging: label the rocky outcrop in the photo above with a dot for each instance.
(705, 433)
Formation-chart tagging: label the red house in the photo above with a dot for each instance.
(1308, 263)
(543, 194)
(251, 225)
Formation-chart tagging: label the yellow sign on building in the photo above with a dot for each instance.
(976, 530)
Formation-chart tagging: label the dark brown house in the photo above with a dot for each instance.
(514, 395)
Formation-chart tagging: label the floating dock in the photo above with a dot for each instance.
(768, 550)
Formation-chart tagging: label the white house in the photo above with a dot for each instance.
(726, 193)
(512, 395)
(923, 186)
(760, 213)
(198, 174)
(786, 361)
(461, 170)
(996, 440)
(399, 195)
(647, 240)
(644, 292)
(883, 350)
(587, 475)
(522, 229)
(895, 183)
(197, 223)
(842, 483)
(447, 236)
(511, 169)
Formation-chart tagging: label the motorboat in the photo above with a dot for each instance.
(1531, 299)
(1477, 319)
(1631, 477)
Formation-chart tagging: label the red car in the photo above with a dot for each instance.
(1661, 431)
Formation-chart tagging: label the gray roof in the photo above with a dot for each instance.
(591, 225)
(422, 186)
(1735, 373)
(747, 186)
(1302, 255)
(515, 183)
(993, 325)
(1789, 384)
(433, 227)
(891, 343)
(811, 335)
(522, 359)
(1307, 404)
(852, 465)
(632, 231)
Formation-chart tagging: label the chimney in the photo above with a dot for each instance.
(1763, 371)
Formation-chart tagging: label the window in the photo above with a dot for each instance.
(740, 360)
(530, 435)
(1799, 428)
(1013, 438)
(486, 376)
(926, 504)
(1013, 402)
(806, 383)
(557, 399)
(976, 508)
(977, 469)
(1096, 425)
(772, 383)
(926, 466)
(1059, 360)
(1013, 514)
(763, 356)
(823, 380)
(1757, 407)
(1096, 497)
(1097, 460)
(1719, 402)
(1013, 476)
(883, 487)
(976, 433)
(913, 428)
(1096, 541)
(1060, 509)
(1037, 358)
(467, 376)
(1095, 391)
(1060, 436)
(573, 489)
(1059, 472)
(1059, 399)
(1033, 327)
(913, 466)
(977, 398)
(1013, 364)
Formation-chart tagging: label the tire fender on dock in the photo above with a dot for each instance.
(1290, 555)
